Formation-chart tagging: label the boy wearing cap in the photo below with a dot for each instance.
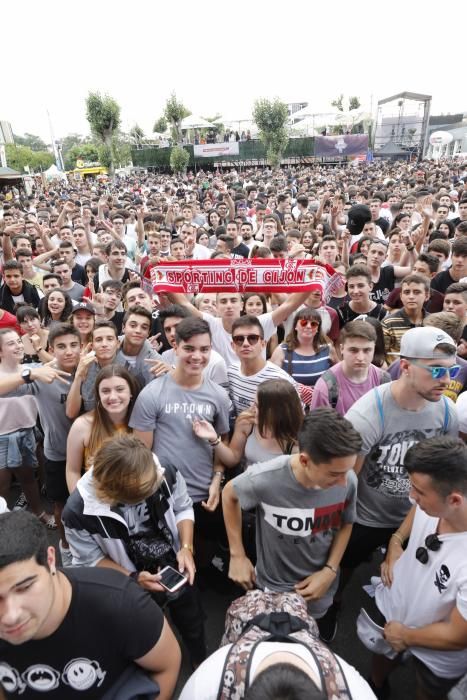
(83, 318)
(391, 418)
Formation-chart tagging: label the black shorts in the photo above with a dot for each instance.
(55, 481)
(432, 686)
(363, 542)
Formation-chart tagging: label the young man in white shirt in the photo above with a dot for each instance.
(423, 589)
(251, 369)
(229, 308)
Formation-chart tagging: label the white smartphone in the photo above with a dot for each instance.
(171, 579)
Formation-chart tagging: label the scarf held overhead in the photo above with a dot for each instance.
(245, 275)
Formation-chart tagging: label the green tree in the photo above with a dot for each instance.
(88, 152)
(103, 115)
(35, 143)
(175, 112)
(72, 140)
(18, 157)
(338, 103)
(179, 158)
(354, 103)
(271, 118)
(121, 145)
(137, 135)
(118, 154)
(160, 125)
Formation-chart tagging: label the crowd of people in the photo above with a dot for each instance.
(266, 442)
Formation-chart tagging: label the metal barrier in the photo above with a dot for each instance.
(250, 153)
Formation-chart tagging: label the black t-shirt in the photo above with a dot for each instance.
(441, 281)
(383, 224)
(384, 286)
(346, 314)
(336, 302)
(78, 274)
(110, 622)
(241, 250)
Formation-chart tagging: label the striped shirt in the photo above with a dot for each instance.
(306, 369)
(242, 388)
(394, 327)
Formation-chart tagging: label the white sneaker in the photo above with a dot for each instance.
(65, 553)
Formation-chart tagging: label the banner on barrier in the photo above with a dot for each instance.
(216, 150)
(347, 145)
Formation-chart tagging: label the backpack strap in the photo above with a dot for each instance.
(333, 388)
(288, 355)
(283, 627)
(446, 414)
(379, 404)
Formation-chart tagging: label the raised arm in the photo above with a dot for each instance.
(41, 261)
(8, 231)
(288, 307)
(140, 227)
(87, 230)
(181, 299)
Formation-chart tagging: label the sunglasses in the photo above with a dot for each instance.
(432, 543)
(240, 339)
(439, 372)
(304, 322)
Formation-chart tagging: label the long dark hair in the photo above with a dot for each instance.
(44, 308)
(248, 295)
(102, 426)
(319, 339)
(380, 354)
(286, 423)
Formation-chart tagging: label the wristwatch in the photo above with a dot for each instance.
(26, 376)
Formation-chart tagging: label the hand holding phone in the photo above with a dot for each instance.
(171, 579)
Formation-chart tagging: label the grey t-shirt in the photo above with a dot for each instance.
(168, 409)
(295, 526)
(51, 399)
(383, 483)
(76, 292)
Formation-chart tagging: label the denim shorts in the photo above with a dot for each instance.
(18, 449)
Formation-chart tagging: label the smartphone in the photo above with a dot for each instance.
(171, 579)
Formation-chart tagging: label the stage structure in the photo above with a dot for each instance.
(402, 121)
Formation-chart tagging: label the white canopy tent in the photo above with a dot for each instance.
(314, 123)
(53, 173)
(195, 122)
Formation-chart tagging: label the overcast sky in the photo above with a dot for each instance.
(219, 57)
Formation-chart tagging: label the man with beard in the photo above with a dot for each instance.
(390, 419)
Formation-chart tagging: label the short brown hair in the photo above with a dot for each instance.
(415, 278)
(358, 329)
(125, 471)
(359, 271)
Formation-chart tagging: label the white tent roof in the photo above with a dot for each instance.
(53, 173)
(195, 122)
